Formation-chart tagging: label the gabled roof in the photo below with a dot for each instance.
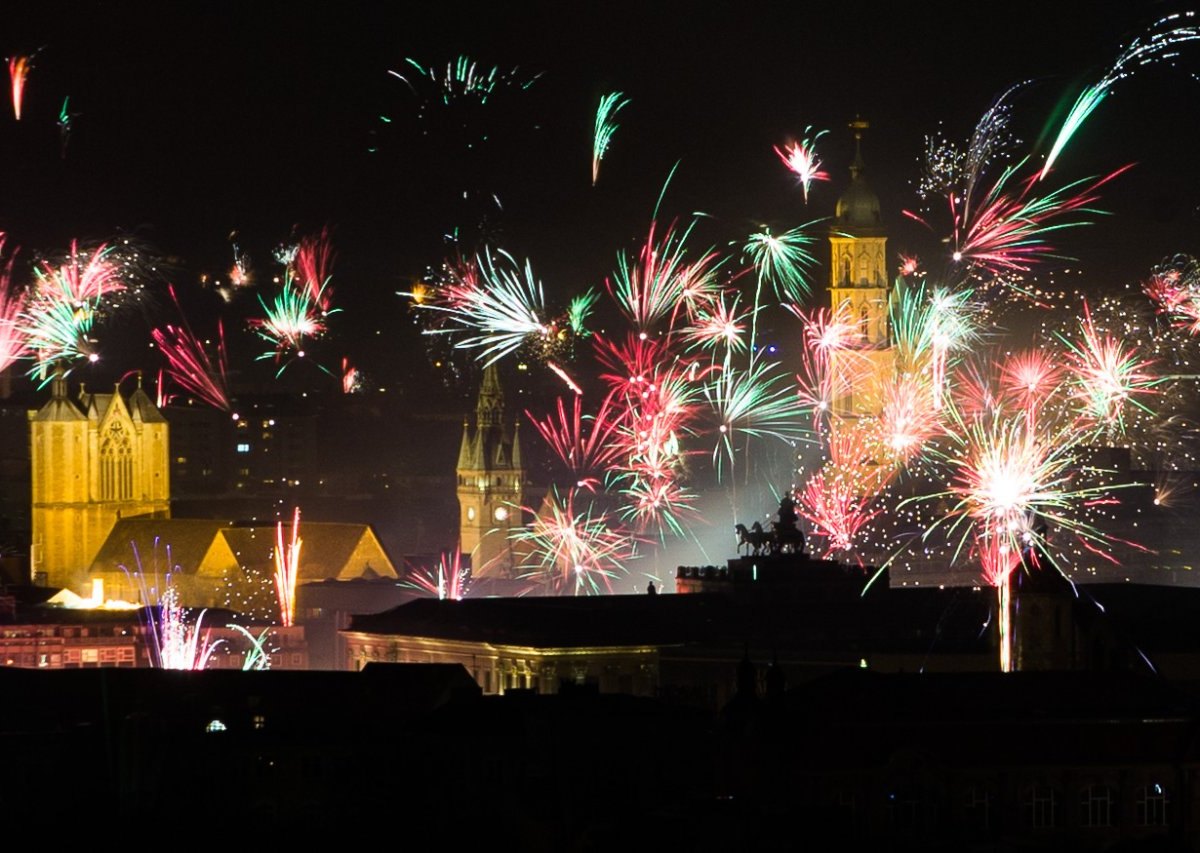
(211, 545)
(188, 541)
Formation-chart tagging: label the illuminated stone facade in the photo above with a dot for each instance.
(859, 293)
(490, 485)
(95, 459)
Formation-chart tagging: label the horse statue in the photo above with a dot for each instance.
(756, 539)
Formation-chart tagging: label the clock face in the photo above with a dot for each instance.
(470, 513)
(501, 513)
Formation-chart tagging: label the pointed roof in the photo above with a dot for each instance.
(59, 407)
(142, 408)
(490, 407)
(464, 449)
(858, 213)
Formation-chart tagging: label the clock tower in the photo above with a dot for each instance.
(490, 484)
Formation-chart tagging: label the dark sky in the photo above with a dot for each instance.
(194, 120)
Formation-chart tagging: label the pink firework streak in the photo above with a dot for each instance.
(188, 363)
(81, 279)
(351, 379)
(448, 580)
(1007, 231)
(1177, 294)
(1030, 377)
(287, 569)
(314, 266)
(662, 280)
(14, 343)
(18, 72)
(586, 453)
(835, 509)
(801, 160)
(1109, 375)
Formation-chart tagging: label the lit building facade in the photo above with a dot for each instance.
(860, 294)
(95, 459)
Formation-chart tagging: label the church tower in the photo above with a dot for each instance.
(859, 292)
(490, 484)
(94, 460)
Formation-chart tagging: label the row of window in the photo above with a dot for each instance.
(1041, 807)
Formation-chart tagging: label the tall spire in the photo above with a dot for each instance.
(464, 450)
(490, 408)
(516, 448)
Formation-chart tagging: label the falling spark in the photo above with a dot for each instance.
(606, 126)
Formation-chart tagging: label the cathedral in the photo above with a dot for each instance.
(860, 293)
(95, 459)
(491, 482)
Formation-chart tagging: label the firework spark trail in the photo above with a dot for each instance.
(757, 401)
(189, 366)
(801, 159)
(837, 511)
(908, 420)
(65, 120)
(562, 374)
(188, 363)
(14, 341)
(176, 643)
(506, 308)
(718, 325)
(314, 265)
(1158, 44)
(580, 309)
(584, 455)
(828, 336)
(290, 317)
(257, 656)
(351, 378)
(1107, 376)
(952, 328)
(80, 279)
(606, 126)
(18, 73)
(783, 259)
(578, 549)
(287, 569)
(58, 334)
(1006, 231)
(662, 280)
(464, 78)
(1174, 287)
(1031, 377)
(448, 580)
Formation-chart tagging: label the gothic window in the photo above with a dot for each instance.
(116, 464)
(864, 322)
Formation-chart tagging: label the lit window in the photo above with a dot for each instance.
(243, 448)
(215, 726)
(470, 513)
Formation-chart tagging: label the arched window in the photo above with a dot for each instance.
(864, 323)
(116, 464)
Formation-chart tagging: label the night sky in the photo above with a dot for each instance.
(196, 121)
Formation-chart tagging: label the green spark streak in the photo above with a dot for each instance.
(610, 105)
